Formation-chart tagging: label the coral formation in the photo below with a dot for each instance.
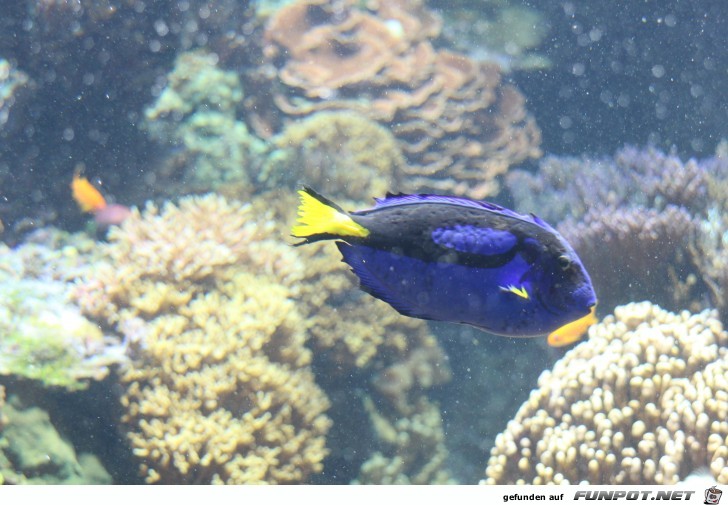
(569, 186)
(197, 111)
(412, 448)
(219, 388)
(342, 154)
(501, 32)
(644, 238)
(459, 126)
(643, 401)
(647, 224)
(43, 335)
(32, 451)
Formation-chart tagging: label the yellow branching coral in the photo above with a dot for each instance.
(160, 258)
(643, 401)
(221, 391)
(219, 388)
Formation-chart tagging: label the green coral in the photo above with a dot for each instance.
(197, 111)
(32, 451)
(504, 32)
(43, 335)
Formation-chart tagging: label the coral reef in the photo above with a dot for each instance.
(43, 335)
(197, 112)
(643, 401)
(342, 154)
(710, 251)
(652, 251)
(32, 451)
(644, 208)
(566, 187)
(219, 388)
(458, 125)
(412, 448)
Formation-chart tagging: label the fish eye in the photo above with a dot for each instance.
(564, 262)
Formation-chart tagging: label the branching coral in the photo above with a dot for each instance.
(219, 388)
(644, 400)
(568, 187)
(222, 392)
(458, 125)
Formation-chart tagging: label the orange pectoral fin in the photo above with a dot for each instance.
(571, 332)
(88, 198)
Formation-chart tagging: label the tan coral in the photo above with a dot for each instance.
(458, 125)
(220, 387)
(160, 258)
(413, 448)
(341, 154)
(643, 401)
(222, 391)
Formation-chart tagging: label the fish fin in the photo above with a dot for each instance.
(357, 258)
(88, 198)
(522, 292)
(319, 219)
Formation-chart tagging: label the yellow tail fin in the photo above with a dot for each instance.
(320, 218)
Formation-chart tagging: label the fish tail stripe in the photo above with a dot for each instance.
(320, 218)
(516, 291)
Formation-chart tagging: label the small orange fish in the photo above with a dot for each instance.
(88, 198)
(571, 332)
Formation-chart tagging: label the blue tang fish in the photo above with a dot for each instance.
(453, 259)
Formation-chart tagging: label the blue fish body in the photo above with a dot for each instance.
(454, 259)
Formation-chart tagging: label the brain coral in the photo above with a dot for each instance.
(219, 388)
(458, 125)
(643, 401)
